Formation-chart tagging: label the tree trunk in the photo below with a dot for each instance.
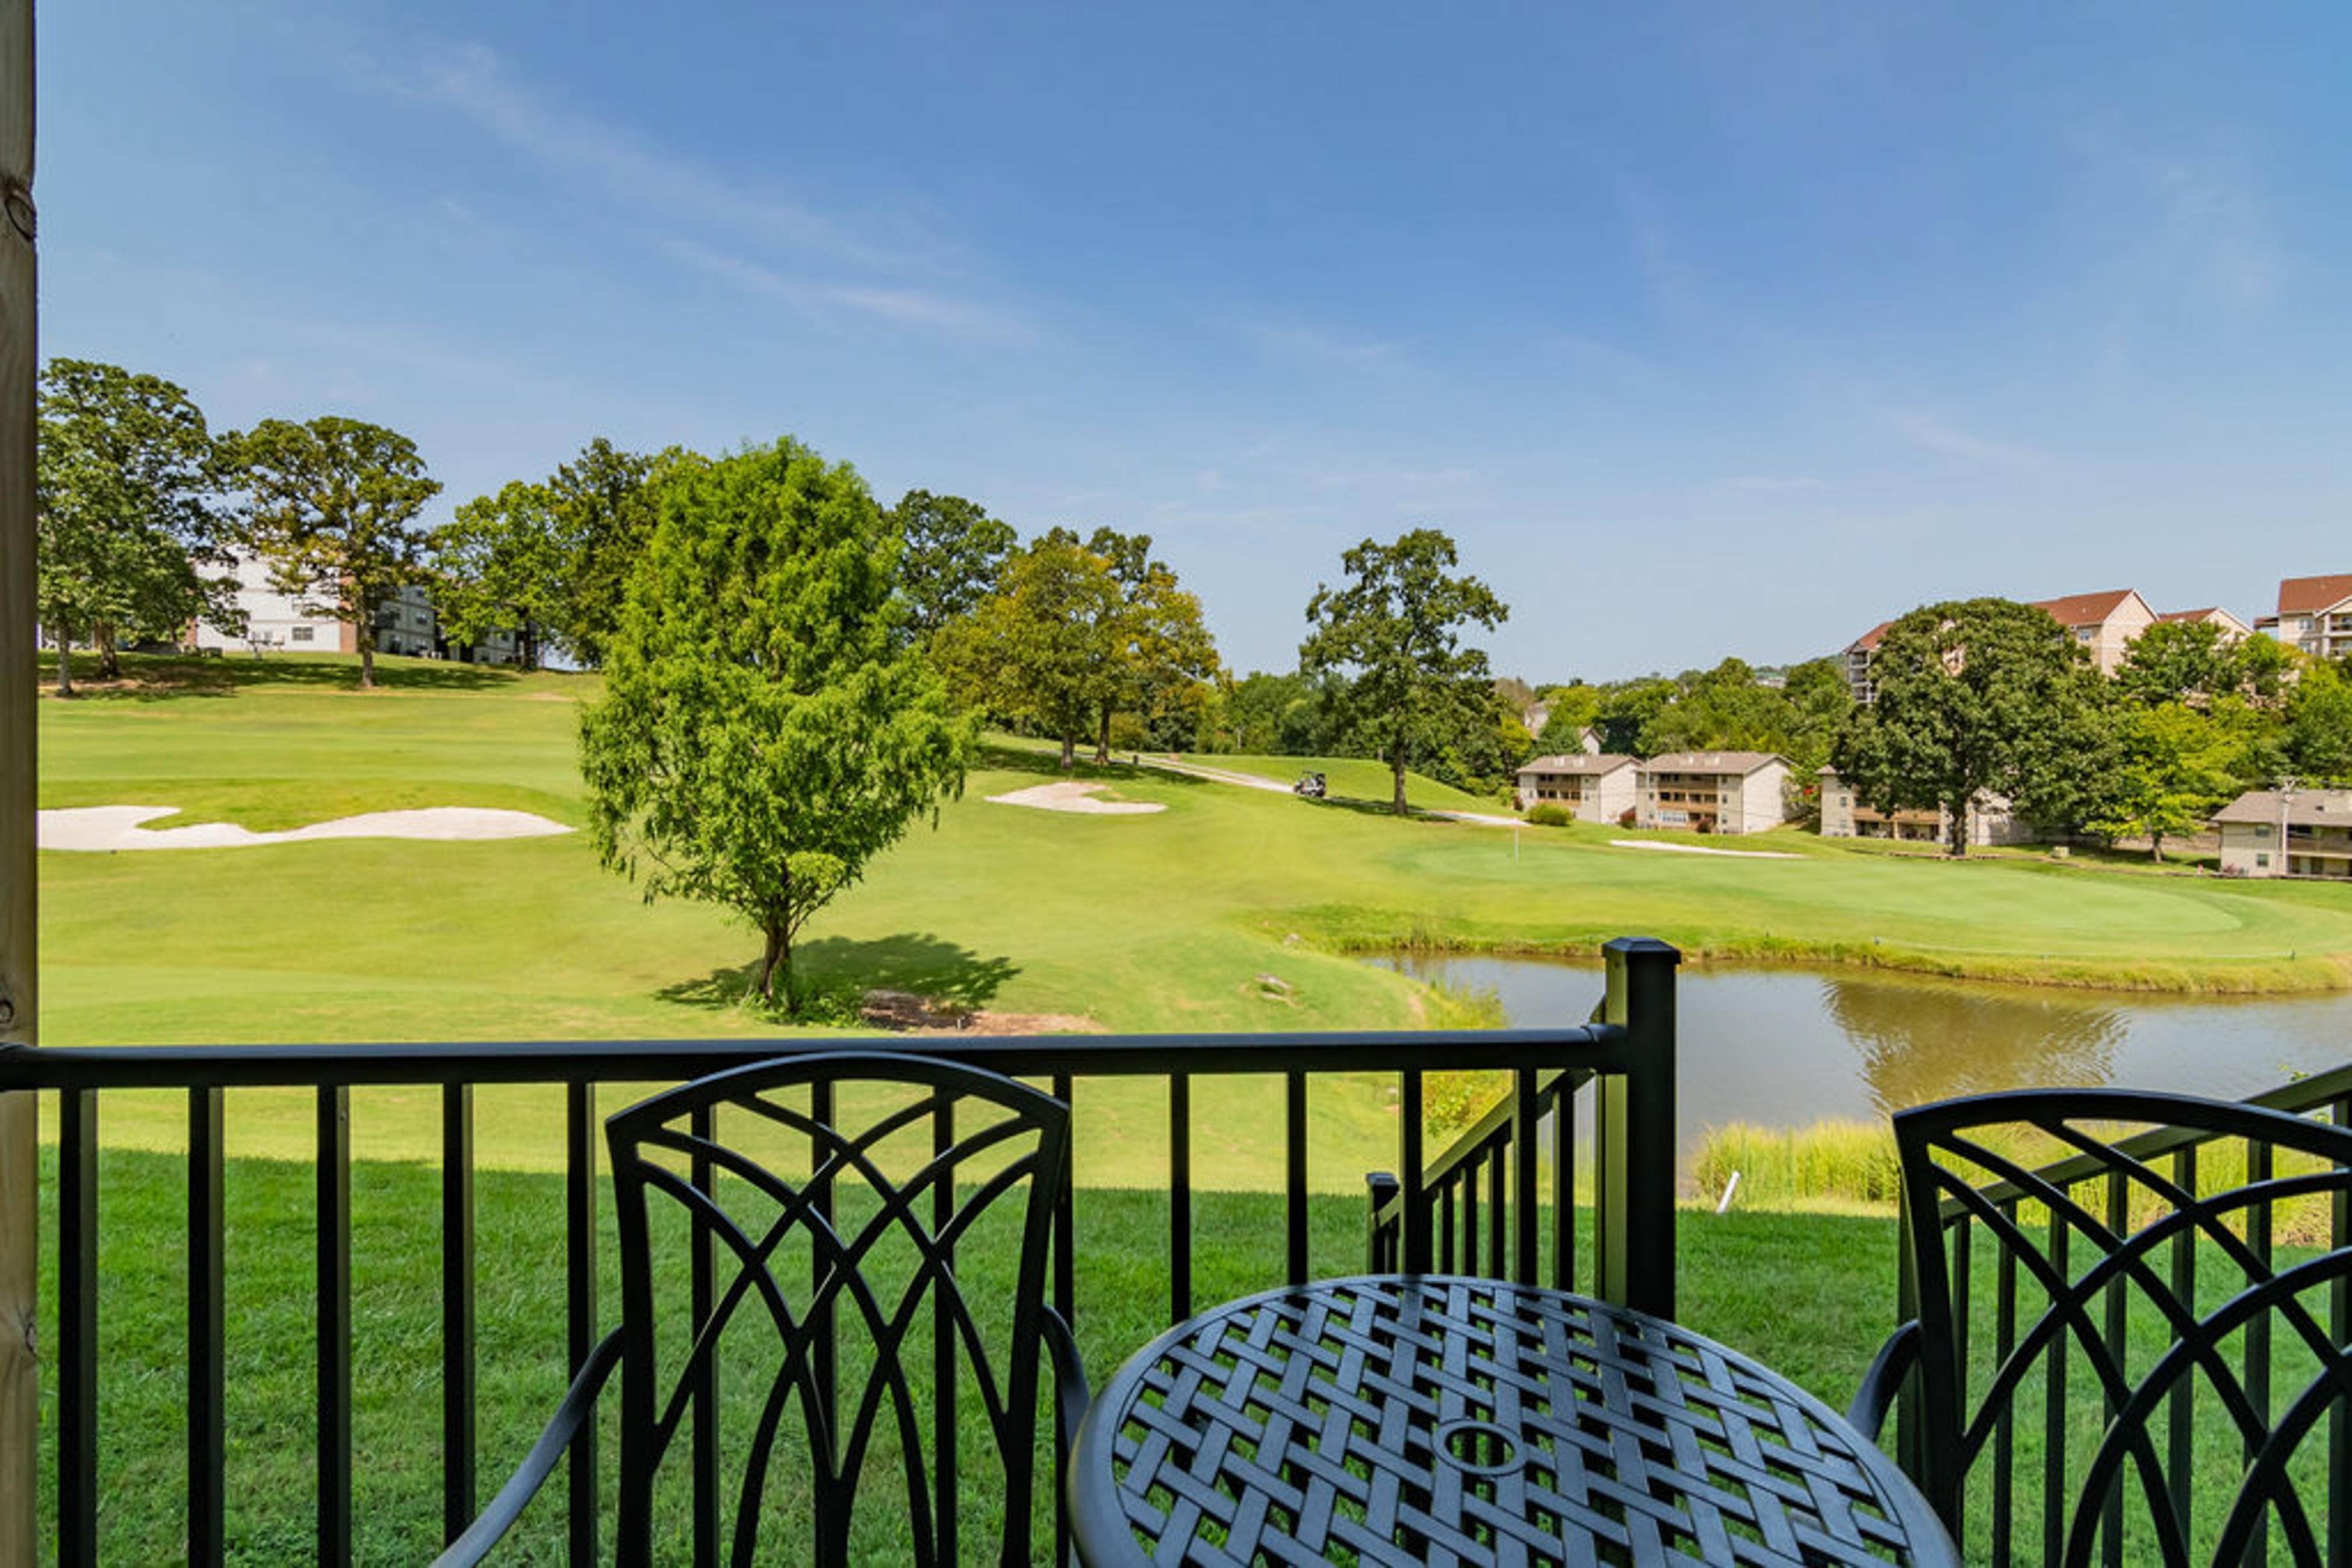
(109, 659)
(1396, 771)
(366, 639)
(1102, 739)
(1956, 839)
(776, 960)
(2156, 846)
(65, 660)
(1069, 752)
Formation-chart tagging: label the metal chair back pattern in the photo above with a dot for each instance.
(2180, 1386)
(805, 1250)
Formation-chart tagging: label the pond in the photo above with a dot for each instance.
(1785, 1046)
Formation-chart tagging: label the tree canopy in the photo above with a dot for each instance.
(765, 729)
(501, 563)
(1045, 649)
(329, 503)
(132, 542)
(1974, 696)
(1393, 630)
(954, 557)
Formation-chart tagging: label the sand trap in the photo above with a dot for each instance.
(1702, 849)
(1070, 794)
(112, 827)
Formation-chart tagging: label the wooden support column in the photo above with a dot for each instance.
(19, 1128)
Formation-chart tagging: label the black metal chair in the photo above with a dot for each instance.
(2128, 1321)
(838, 1225)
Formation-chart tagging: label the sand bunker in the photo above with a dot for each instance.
(1703, 849)
(1072, 795)
(110, 827)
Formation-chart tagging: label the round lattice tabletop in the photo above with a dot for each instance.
(1393, 1419)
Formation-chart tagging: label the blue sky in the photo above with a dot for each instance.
(1704, 329)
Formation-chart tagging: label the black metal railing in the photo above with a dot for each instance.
(1629, 1058)
(1472, 1208)
(2037, 1339)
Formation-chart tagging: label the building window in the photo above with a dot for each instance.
(2262, 860)
(299, 634)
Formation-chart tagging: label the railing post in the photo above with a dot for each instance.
(1633, 1216)
(1380, 1190)
(19, 1164)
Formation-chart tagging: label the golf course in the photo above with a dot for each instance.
(1232, 908)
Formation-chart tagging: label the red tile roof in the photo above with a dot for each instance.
(2083, 609)
(1869, 639)
(2301, 595)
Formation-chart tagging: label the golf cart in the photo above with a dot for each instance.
(1309, 786)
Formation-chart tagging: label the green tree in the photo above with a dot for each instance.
(1626, 712)
(1046, 648)
(132, 541)
(502, 563)
(2171, 769)
(2196, 662)
(1163, 656)
(329, 503)
(1394, 630)
(1974, 696)
(765, 729)
(955, 555)
(1573, 707)
(601, 511)
(2319, 724)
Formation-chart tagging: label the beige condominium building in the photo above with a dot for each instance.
(2292, 833)
(1714, 792)
(2314, 614)
(2232, 628)
(1593, 787)
(2104, 624)
(1843, 815)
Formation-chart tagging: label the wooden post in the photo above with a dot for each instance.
(19, 1129)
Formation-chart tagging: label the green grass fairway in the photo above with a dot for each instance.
(1139, 922)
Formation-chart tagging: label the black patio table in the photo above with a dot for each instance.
(1440, 1419)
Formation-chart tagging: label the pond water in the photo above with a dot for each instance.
(1783, 1046)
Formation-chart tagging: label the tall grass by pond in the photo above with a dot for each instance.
(1841, 1164)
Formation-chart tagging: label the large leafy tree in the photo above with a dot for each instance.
(1395, 630)
(600, 512)
(1163, 659)
(954, 557)
(2170, 769)
(765, 729)
(2319, 724)
(1974, 696)
(2196, 662)
(329, 504)
(501, 563)
(1045, 648)
(133, 540)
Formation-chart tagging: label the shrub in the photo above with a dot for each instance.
(1548, 815)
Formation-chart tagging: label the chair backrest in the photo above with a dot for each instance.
(809, 1215)
(2134, 1312)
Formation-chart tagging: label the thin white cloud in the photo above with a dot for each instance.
(470, 80)
(785, 237)
(1940, 432)
(904, 306)
(1772, 484)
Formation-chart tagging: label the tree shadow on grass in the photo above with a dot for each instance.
(163, 678)
(952, 977)
(997, 757)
